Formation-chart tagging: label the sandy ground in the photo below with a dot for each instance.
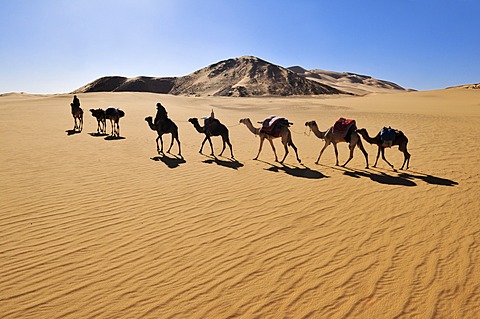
(98, 228)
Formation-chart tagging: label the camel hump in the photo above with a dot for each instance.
(273, 125)
(342, 126)
(387, 134)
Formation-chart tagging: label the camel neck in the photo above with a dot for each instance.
(317, 132)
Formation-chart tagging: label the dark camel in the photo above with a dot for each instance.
(400, 139)
(164, 125)
(331, 137)
(77, 114)
(99, 114)
(213, 127)
(285, 134)
(113, 114)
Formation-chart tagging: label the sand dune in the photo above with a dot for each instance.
(99, 228)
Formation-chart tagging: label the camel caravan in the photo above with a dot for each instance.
(342, 131)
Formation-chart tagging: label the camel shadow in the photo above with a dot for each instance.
(430, 179)
(114, 138)
(171, 162)
(302, 172)
(378, 176)
(231, 163)
(98, 134)
(72, 132)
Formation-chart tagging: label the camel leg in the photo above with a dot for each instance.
(286, 151)
(223, 146)
(360, 146)
(383, 157)
(352, 148)
(275, 151)
(406, 157)
(203, 143)
(118, 129)
(336, 154)
(171, 144)
(175, 136)
(230, 145)
(156, 141)
(295, 149)
(378, 155)
(160, 150)
(260, 147)
(321, 152)
(211, 145)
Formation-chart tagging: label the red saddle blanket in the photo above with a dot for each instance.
(342, 125)
(272, 125)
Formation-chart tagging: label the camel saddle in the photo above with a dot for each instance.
(387, 136)
(272, 125)
(344, 127)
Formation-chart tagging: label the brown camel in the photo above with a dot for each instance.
(99, 114)
(162, 126)
(352, 138)
(400, 139)
(213, 127)
(284, 133)
(77, 114)
(113, 114)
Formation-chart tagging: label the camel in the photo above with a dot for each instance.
(114, 115)
(284, 133)
(213, 127)
(99, 114)
(77, 114)
(164, 125)
(400, 139)
(330, 137)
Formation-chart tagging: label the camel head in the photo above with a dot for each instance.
(310, 123)
(148, 119)
(193, 120)
(244, 121)
(361, 131)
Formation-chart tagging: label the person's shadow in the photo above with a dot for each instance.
(171, 162)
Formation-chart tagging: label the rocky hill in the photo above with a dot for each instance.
(245, 76)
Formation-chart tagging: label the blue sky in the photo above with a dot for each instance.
(56, 46)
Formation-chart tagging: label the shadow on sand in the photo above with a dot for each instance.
(394, 178)
(98, 134)
(302, 172)
(427, 178)
(72, 132)
(171, 162)
(229, 163)
(114, 138)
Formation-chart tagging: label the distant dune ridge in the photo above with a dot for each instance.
(246, 76)
(348, 82)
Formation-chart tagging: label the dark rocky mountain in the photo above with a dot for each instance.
(246, 76)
